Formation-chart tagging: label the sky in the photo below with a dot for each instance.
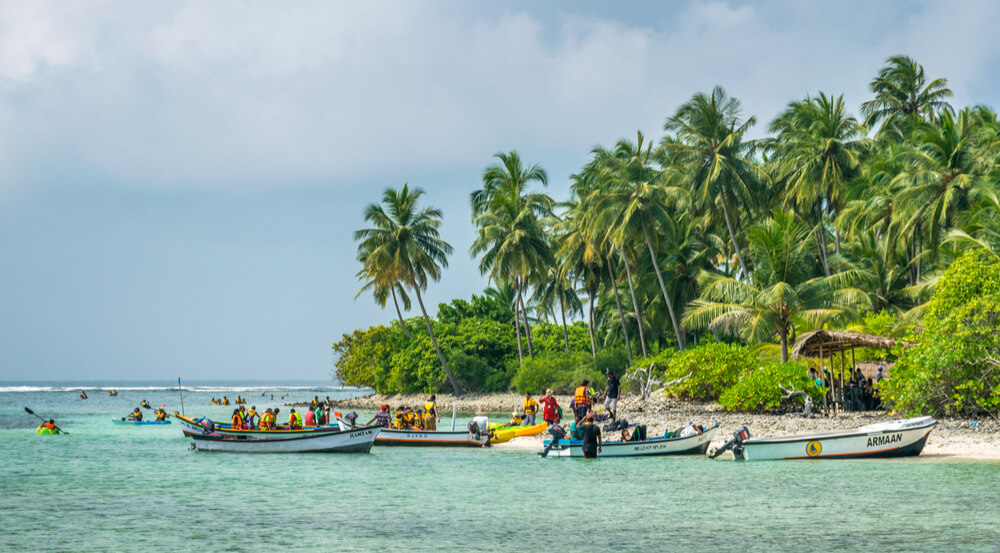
(180, 181)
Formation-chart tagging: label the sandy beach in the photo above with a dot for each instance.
(951, 438)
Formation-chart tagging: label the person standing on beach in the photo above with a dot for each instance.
(530, 408)
(591, 435)
(611, 395)
(550, 408)
(581, 400)
(431, 416)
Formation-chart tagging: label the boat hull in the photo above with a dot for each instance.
(421, 438)
(349, 441)
(893, 439)
(690, 445)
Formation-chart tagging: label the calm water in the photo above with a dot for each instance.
(118, 488)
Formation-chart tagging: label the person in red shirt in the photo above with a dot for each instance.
(550, 412)
(310, 416)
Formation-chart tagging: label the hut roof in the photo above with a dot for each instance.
(832, 341)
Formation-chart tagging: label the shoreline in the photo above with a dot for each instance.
(952, 438)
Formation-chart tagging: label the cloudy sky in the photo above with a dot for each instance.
(179, 180)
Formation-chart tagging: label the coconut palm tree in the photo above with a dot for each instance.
(718, 161)
(509, 231)
(580, 257)
(405, 244)
(370, 273)
(903, 95)
(784, 288)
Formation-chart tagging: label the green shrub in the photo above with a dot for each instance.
(953, 369)
(713, 369)
(758, 389)
(548, 337)
(558, 371)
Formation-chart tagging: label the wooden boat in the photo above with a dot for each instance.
(431, 438)
(139, 423)
(199, 426)
(359, 440)
(900, 438)
(688, 445)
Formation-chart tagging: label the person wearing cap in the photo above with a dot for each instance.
(382, 418)
(431, 416)
(611, 395)
(591, 435)
(530, 408)
(550, 408)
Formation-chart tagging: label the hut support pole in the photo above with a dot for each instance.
(843, 390)
(826, 404)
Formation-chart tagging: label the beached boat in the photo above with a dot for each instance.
(431, 438)
(359, 440)
(205, 425)
(501, 435)
(688, 445)
(140, 423)
(902, 438)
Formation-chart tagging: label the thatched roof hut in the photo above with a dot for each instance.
(823, 343)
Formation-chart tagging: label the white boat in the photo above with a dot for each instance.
(688, 445)
(204, 425)
(432, 438)
(900, 438)
(359, 440)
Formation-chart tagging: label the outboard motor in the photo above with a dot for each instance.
(207, 424)
(735, 443)
(557, 433)
(351, 419)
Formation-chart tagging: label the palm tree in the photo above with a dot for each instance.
(557, 288)
(783, 289)
(405, 244)
(580, 256)
(382, 290)
(632, 202)
(509, 231)
(902, 95)
(717, 159)
(818, 147)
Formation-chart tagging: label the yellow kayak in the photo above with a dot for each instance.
(500, 436)
(533, 430)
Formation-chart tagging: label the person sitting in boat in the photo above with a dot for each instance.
(252, 417)
(530, 408)
(310, 416)
(431, 416)
(690, 430)
(237, 422)
(265, 420)
(136, 415)
(225, 400)
(399, 421)
(515, 419)
(145, 405)
(161, 415)
(382, 418)
(47, 427)
(322, 415)
(294, 421)
(83, 394)
(113, 392)
(416, 419)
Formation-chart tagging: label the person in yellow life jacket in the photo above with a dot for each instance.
(399, 420)
(145, 404)
(83, 394)
(581, 400)
(252, 418)
(515, 419)
(431, 416)
(161, 415)
(136, 415)
(225, 400)
(294, 420)
(417, 419)
(530, 408)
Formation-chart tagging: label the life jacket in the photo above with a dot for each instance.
(161, 415)
(50, 426)
(399, 420)
(580, 396)
(294, 420)
(430, 407)
(237, 422)
(530, 406)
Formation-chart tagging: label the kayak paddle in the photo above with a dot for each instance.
(30, 412)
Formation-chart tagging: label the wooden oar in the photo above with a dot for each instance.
(30, 412)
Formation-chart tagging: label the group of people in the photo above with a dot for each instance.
(407, 418)
(317, 414)
(858, 393)
(137, 416)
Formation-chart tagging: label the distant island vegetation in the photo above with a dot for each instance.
(707, 253)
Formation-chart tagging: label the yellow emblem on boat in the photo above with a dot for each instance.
(814, 448)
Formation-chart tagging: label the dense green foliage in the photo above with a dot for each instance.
(559, 371)
(708, 235)
(954, 368)
(758, 390)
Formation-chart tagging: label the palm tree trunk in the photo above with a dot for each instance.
(666, 296)
(621, 314)
(527, 325)
(732, 237)
(430, 331)
(590, 328)
(399, 313)
(783, 336)
(635, 302)
(821, 247)
(562, 308)
(517, 329)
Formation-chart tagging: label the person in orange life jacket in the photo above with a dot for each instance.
(581, 400)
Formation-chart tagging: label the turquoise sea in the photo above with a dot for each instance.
(107, 487)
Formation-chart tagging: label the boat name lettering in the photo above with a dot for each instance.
(362, 433)
(649, 447)
(877, 441)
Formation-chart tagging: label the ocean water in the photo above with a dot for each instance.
(107, 487)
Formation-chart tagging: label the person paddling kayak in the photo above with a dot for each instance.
(48, 427)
